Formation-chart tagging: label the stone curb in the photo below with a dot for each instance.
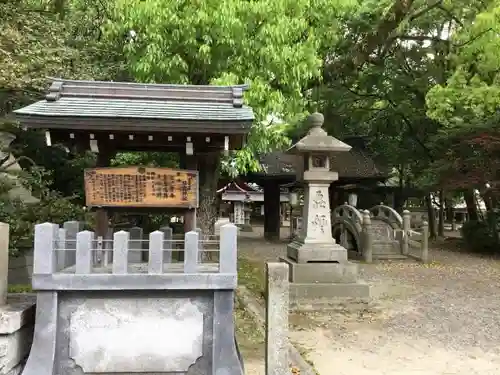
(257, 311)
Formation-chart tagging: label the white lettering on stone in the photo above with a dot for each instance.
(136, 335)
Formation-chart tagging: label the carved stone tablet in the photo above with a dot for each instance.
(136, 335)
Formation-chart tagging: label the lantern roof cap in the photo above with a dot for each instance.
(317, 139)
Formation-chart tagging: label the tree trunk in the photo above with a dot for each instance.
(209, 170)
(399, 199)
(449, 209)
(470, 201)
(431, 215)
(441, 214)
(59, 8)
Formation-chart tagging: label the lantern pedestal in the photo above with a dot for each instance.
(315, 242)
(318, 265)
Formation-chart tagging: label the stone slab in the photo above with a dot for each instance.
(345, 272)
(19, 311)
(277, 304)
(315, 252)
(389, 257)
(14, 348)
(119, 337)
(307, 291)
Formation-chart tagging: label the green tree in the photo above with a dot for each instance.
(271, 45)
(466, 107)
(377, 77)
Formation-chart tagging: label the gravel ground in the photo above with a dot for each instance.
(440, 318)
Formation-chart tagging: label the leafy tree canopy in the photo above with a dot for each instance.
(272, 45)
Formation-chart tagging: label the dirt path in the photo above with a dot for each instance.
(442, 318)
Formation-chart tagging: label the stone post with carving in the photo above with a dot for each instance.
(318, 265)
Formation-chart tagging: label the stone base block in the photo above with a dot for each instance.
(302, 252)
(16, 332)
(306, 291)
(345, 272)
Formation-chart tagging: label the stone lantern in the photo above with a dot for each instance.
(318, 265)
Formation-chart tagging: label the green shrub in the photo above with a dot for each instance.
(479, 237)
(22, 217)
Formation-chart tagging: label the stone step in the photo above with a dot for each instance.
(386, 247)
(389, 257)
(387, 250)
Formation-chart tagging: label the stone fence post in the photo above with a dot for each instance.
(366, 239)
(277, 319)
(4, 262)
(424, 244)
(405, 245)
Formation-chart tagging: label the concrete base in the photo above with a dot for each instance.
(301, 252)
(346, 272)
(311, 281)
(16, 332)
(359, 289)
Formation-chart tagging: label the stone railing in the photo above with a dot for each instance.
(379, 233)
(17, 317)
(88, 311)
(414, 244)
(119, 316)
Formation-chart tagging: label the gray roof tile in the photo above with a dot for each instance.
(139, 109)
(84, 99)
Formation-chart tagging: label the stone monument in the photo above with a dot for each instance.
(318, 265)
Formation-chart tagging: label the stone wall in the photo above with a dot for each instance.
(17, 316)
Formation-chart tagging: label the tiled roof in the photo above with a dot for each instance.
(137, 109)
(356, 163)
(119, 100)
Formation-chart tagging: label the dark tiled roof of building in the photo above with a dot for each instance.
(279, 163)
(240, 187)
(119, 100)
(356, 163)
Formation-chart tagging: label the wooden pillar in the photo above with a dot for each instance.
(104, 157)
(190, 162)
(271, 210)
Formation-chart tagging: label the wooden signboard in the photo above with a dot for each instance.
(141, 187)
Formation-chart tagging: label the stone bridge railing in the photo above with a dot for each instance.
(379, 233)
